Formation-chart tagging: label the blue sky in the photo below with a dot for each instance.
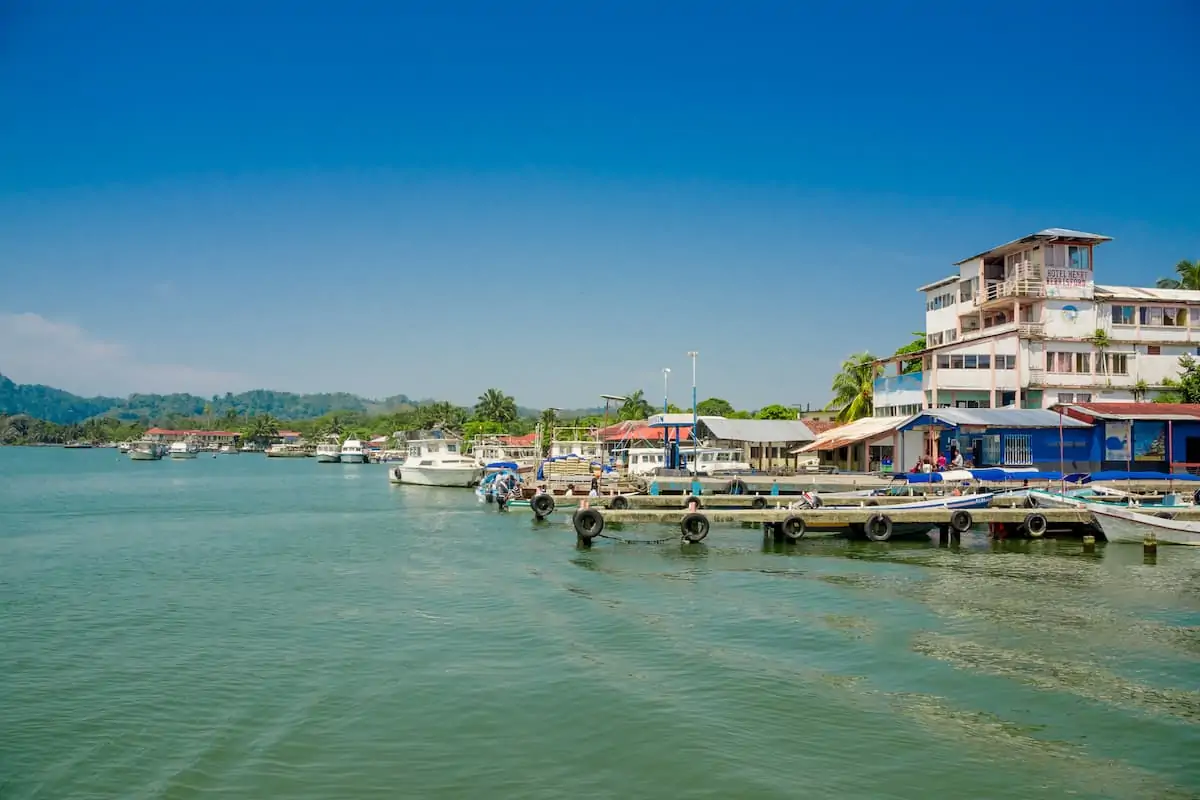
(368, 196)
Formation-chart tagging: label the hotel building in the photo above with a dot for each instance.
(1025, 325)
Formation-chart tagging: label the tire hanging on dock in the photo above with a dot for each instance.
(620, 503)
(588, 523)
(878, 528)
(691, 498)
(694, 527)
(960, 521)
(737, 486)
(542, 505)
(793, 528)
(758, 503)
(1035, 525)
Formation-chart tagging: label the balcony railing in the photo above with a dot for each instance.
(1037, 377)
(1026, 283)
(1032, 330)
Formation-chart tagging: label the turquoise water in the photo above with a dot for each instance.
(251, 628)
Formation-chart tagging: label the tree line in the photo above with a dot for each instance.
(494, 412)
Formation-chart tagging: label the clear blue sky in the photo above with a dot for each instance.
(363, 196)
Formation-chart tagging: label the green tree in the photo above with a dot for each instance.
(1140, 390)
(776, 411)
(853, 388)
(1101, 342)
(261, 429)
(1185, 388)
(1189, 276)
(714, 407)
(917, 345)
(636, 406)
(495, 406)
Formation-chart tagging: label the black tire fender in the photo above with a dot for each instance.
(961, 521)
(878, 528)
(694, 527)
(542, 505)
(588, 523)
(1035, 525)
(794, 528)
(619, 503)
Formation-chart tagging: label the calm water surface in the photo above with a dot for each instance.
(254, 628)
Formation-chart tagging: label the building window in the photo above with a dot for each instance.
(1083, 397)
(1061, 362)
(991, 449)
(1006, 362)
(1066, 397)
(956, 362)
(1077, 257)
(1083, 362)
(1174, 318)
(985, 362)
(1150, 315)
(943, 362)
(1194, 316)
(1153, 350)
(1123, 315)
(1114, 364)
(970, 362)
(1018, 450)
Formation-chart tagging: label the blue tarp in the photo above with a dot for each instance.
(503, 465)
(991, 474)
(1121, 475)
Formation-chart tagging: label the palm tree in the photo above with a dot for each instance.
(636, 406)
(1189, 276)
(496, 406)
(334, 425)
(262, 429)
(853, 388)
(1101, 342)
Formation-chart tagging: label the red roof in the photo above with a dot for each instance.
(519, 441)
(1090, 411)
(166, 431)
(289, 434)
(643, 432)
(819, 426)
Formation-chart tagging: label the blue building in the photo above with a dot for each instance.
(1142, 437)
(1009, 437)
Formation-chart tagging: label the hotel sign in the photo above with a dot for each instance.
(1057, 276)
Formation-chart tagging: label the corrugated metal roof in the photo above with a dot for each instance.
(1044, 235)
(1144, 411)
(1002, 417)
(758, 430)
(857, 431)
(943, 282)
(1146, 293)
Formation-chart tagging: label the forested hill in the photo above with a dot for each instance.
(65, 408)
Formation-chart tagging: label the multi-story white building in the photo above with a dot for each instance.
(1026, 325)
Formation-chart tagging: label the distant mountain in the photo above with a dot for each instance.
(64, 408)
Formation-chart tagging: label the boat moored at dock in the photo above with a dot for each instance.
(434, 458)
(329, 449)
(183, 449)
(145, 450)
(352, 452)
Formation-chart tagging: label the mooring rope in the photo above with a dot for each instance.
(623, 540)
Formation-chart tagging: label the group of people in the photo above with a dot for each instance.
(927, 464)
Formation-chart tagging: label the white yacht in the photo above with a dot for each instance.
(435, 459)
(352, 452)
(227, 450)
(329, 449)
(184, 449)
(145, 450)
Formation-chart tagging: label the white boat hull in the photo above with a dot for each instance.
(352, 458)
(328, 458)
(435, 476)
(1124, 525)
(142, 455)
(183, 455)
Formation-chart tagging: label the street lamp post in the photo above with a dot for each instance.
(695, 445)
(666, 375)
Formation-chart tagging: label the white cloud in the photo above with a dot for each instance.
(34, 349)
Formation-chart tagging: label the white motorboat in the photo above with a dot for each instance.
(227, 450)
(435, 459)
(1125, 523)
(703, 460)
(145, 450)
(184, 449)
(329, 449)
(352, 452)
(286, 450)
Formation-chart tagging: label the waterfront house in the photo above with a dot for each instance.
(1025, 325)
(203, 438)
(1141, 437)
(987, 437)
(765, 443)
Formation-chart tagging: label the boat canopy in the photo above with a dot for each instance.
(1122, 475)
(989, 474)
(503, 465)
